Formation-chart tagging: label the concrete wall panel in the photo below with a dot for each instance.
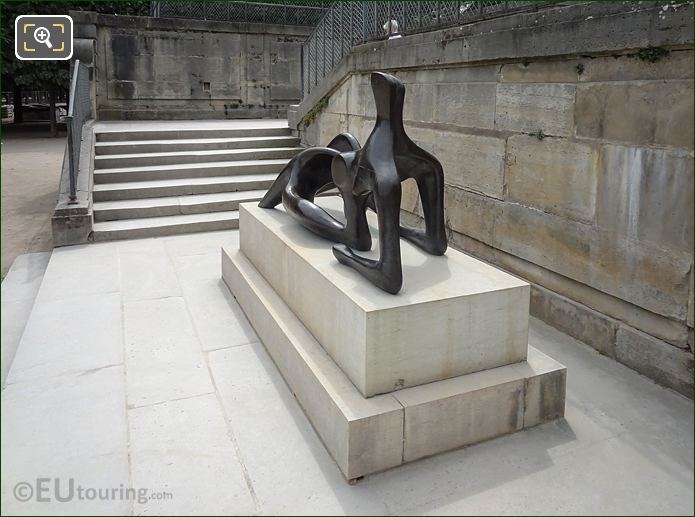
(529, 108)
(554, 175)
(207, 69)
(470, 161)
(638, 113)
(646, 194)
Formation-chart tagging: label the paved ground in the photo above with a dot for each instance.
(146, 375)
(31, 162)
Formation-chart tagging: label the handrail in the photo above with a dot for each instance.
(79, 111)
(73, 87)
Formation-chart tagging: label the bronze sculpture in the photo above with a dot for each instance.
(370, 176)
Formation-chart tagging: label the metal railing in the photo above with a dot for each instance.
(347, 23)
(290, 13)
(34, 96)
(79, 111)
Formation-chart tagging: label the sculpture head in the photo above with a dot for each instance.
(389, 93)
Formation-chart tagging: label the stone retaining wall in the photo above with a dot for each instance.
(566, 138)
(166, 68)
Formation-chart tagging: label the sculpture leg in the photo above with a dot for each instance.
(273, 197)
(430, 184)
(357, 233)
(343, 172)
(386, 273)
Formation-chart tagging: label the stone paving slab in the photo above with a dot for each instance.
(68, 429)
(624, 447)
(163, 357)
(69, 336)
(190, 456)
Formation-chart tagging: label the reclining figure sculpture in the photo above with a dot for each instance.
(371, 177)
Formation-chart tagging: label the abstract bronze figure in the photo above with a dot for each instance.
(370, 176)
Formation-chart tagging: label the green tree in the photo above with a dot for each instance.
(51, 76)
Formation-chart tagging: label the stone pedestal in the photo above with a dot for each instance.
(454, 314)
(389, 379)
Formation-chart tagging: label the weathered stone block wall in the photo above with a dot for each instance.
(165, 68)
(567, 149)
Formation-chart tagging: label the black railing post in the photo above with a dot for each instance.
(71, 162)
(323, 23)
(301, 71)
(74, 153)
(343, 29)
(364, 21)
(388, 17)
(404, 16)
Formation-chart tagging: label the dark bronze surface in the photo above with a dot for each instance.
(370, 176)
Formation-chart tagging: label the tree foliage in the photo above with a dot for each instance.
(45, 75)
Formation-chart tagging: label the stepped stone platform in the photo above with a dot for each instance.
(390, 379)
(170, 177)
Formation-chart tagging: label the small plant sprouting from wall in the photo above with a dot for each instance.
(651, 54)
(315, 111)
(580, 68)
(539, 134)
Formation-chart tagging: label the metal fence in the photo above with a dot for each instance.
(33, 96)
(347, 23)
(301, 13)
(79, 111)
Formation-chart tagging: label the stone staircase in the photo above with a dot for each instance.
(163, 179)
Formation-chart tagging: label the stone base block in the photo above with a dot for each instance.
(454, 315)
(71, 229)
(367, 435)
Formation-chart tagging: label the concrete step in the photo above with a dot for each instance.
(19, 290)
(181, 187)
(185, 157)
(193, 144)
(173, 205)
(167, 225)
(189, 170)
(124, 135)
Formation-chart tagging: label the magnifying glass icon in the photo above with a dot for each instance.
(41, 35)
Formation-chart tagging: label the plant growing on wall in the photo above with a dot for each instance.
(51, 76)
(651, 54)
(315, 111)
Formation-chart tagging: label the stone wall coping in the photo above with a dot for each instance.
(185, 24)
